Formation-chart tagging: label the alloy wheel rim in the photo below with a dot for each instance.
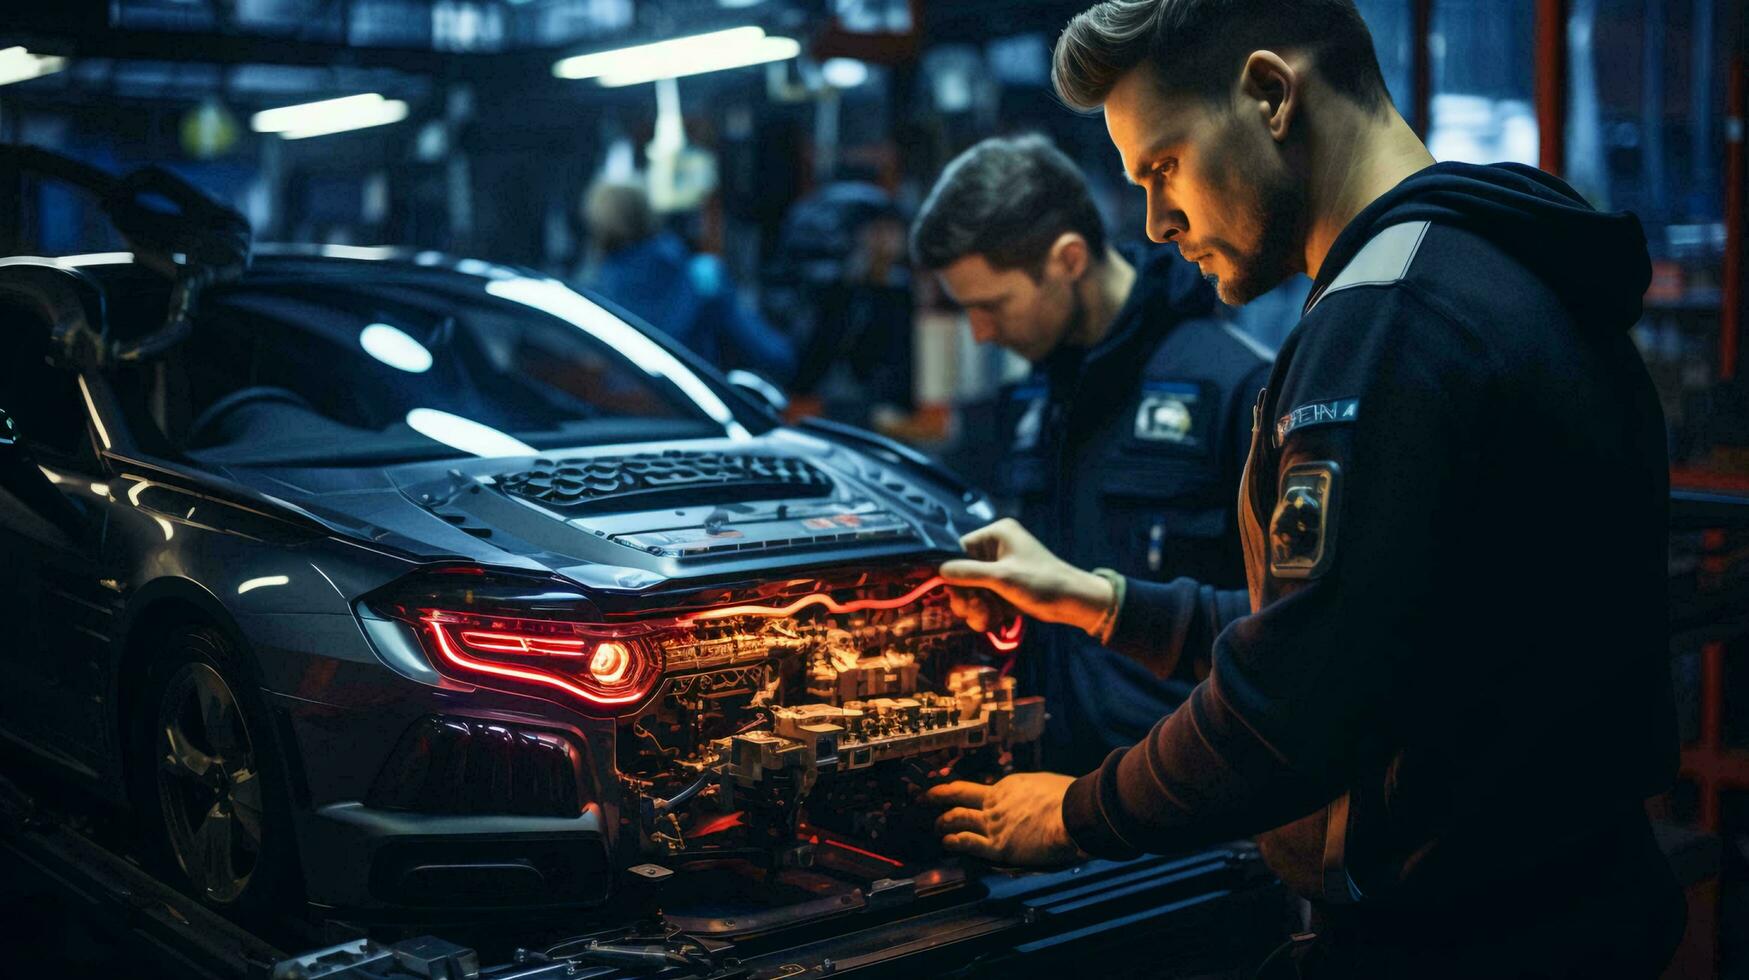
(208, 784)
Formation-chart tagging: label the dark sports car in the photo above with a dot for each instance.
(412, 583)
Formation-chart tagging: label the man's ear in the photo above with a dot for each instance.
(1069, 256)
(1271, 88)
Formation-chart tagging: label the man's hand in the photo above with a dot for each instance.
(1005, 559)
(1018, 821)
(980, 608)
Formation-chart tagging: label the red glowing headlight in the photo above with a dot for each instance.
(596, 665)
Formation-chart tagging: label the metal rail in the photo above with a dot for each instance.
(162, 926)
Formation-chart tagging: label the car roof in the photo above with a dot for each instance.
(368, 265)
(329, 262)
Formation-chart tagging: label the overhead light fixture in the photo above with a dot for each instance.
(844, 72)
(350, 112)
(768, 49)
(736, 47)
(19, 65)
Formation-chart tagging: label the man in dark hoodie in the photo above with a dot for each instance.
(1447, 697)
(1126, 443)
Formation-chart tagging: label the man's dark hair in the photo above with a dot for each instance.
(1008, 199)
(1196, 47)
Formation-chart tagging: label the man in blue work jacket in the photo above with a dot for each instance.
(1126, 442)
(688, 296)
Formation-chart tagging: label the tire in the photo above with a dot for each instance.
(209, 781)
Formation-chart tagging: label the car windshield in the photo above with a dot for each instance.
(306, 369)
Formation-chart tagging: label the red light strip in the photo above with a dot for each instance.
(1007, 639)
(822, 599)
(719, 824)
(852, 848)
(517, 643)
(456, 657)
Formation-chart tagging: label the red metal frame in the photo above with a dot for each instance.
(1731, 312)
(1709, 763)
(1684, 478)
(1551, 85)
(881, 49)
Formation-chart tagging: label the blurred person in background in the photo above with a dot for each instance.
(1126, 443)
(653, 274)
(840, 280)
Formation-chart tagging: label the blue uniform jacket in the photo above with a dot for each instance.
(1128, 456)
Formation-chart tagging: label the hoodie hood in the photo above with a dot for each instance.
(1595, 261)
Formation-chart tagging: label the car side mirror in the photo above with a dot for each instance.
(767, 393)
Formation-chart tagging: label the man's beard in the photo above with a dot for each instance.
(1278, 211)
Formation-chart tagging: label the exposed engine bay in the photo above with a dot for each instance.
(825, 712)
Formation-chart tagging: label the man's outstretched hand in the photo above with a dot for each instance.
(1017, 821)
(1007, 565)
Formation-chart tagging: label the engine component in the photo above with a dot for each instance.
(814, 737)
(867, 692)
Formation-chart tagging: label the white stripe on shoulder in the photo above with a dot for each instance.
(1251, 343)
(1381, 261)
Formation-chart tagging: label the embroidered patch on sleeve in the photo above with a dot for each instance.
(1316, 413)
(1302, 532)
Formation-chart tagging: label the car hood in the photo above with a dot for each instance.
(637, 517)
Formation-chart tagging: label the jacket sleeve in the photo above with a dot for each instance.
(1297, 688)
(1170, 627)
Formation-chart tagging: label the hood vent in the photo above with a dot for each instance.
(674, 478)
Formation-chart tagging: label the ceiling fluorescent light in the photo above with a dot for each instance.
(844, 72)
(677, 57)
(329, 116)
(765, 50)
(19, 65)
(391, 111)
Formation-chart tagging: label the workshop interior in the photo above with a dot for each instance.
(475, 477)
